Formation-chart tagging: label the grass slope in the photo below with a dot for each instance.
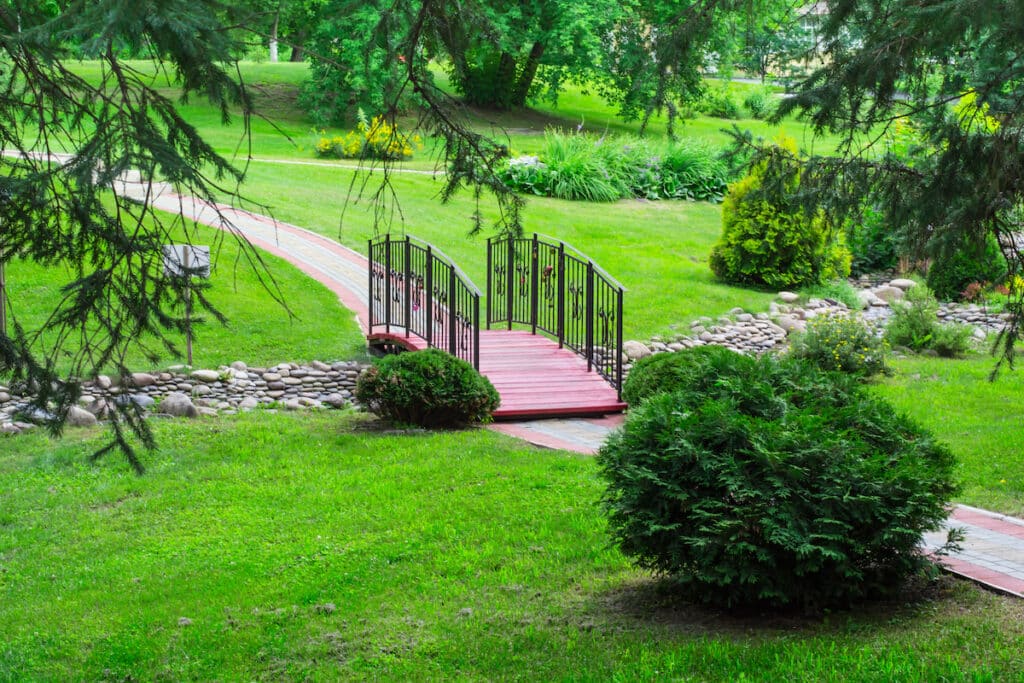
(259, 330)
(314, 548)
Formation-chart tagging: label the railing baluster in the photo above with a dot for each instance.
(590, 316)
(408, 287)
(452, 305)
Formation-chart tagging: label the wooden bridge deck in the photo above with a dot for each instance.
(534, 377)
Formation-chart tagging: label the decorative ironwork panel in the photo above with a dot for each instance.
(415, 290)
(555, 289)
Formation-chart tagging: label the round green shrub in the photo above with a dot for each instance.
(428, 388)
(666, 372)
(949, 275)
(769, 240)
(775, 484)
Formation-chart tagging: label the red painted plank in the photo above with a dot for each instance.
(533, 375)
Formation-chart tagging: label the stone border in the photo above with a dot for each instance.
(183, 393)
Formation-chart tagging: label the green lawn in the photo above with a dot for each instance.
(979, 420)
(316, 548)
(259, 330)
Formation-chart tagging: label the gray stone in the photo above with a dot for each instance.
(178, 405)
(744, 317)
(202, 390)
(206, 375)
(791, 323)
(319, 365)
(4, 397)
(142, 400)
(635, 350)
(79, 417)
(902, 283)
(248, 403)
(103, 382)
(240, 366)
(206, 411)
(271, 377)
(789, 297)
(889, 294)
(143, 379)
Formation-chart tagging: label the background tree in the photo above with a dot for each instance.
(912, 62)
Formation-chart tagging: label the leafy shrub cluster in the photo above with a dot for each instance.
(949, 275)
(842, 343)
(772, 482)
(759, 103)
(874, 245)
(720, 102)
(373, 139)
(582, 167)
(667, 372)
(427, 388)
(914, 326)
(767, 239)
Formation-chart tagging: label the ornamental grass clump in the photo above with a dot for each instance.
(772, 483)
(427, 388)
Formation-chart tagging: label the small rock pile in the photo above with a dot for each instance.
(180, 393)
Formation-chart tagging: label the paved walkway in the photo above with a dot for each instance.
(993, 549)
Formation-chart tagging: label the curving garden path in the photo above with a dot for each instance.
(993, 550)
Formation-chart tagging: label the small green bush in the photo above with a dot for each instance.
(951, 340)
(774, 483)
(915, 326)
(666, 372)
(720, 103)
(759, 103)
(950, 275)
(913, 319)
(842, 343)
(768, 240)
(427, 388)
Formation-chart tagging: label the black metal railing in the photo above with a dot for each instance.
(553, 288)
(416, 290)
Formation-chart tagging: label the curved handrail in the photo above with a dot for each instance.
(444, 257)
(597, 268)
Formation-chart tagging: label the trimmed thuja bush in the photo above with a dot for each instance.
(428, 388)
(769, 482)
(666, 372)
(768, 239)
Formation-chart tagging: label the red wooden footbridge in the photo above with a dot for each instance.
(552, 346)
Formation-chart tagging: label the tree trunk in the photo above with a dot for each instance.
(297, 41)
(273, 36)
(522, 89)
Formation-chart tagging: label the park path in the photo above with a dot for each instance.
(993, 550)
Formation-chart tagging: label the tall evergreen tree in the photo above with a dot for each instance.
(954, 73)
(66, 140)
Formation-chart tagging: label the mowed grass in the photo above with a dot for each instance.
(314, 547)
(260, 330)
(657, 250)
(981, 421)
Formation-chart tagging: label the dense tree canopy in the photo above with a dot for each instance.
(961, 174)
